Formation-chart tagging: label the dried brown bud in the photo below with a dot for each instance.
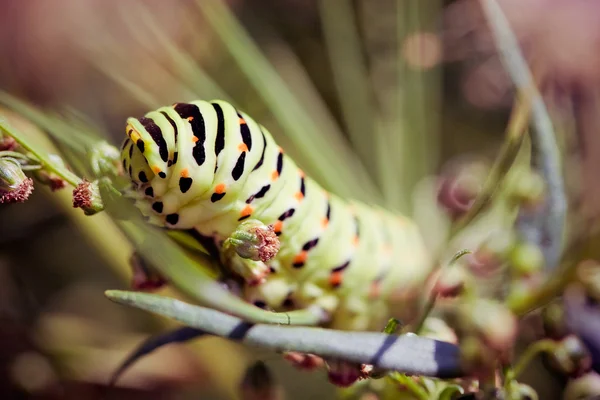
(343, 373)
(145, 278)
(15, 187)
(54, 182)
(7, 143)
(255, 241)
(87, 197)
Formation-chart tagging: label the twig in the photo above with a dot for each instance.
(515, 133)
(43, 158)
(409, 354)
(545, 227)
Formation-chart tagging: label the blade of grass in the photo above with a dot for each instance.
(187, 70)
(350, 76)
(328, 155)
(413, 142)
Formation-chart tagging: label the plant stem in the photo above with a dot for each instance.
(515, 133)
(541, 346)
(44, 160)
(410, 384)
(433, 295)
(550, 222)
(410, 354)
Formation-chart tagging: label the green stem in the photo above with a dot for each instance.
(515, 134)
(410, 384)
(433, 296)
(542, 346)
(44, 160)
(14, 154)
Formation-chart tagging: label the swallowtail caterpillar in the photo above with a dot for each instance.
(206, 167)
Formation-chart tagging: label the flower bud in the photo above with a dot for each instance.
(584, 387)
(526, 259)
(15, 187)
(145, 278)
(571, 357)
(255, 241)
(492, 322)
(553, 319)
(588, 273)
(527, 189)
(87, 197)
(7, 143)
(343, 373)
(104, 159)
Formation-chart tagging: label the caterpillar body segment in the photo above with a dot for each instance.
(208, 167)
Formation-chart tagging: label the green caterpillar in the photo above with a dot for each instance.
(206, 167)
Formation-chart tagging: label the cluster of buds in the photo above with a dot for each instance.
(87, 197)
(487, 331)
(15, 186)
(249, 248)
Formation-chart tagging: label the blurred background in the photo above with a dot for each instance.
(393, 93)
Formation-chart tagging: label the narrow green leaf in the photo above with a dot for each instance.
(330, 158)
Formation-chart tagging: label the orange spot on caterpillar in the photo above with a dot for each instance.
(277, 226)
(242, 121)
(335, 279)
(299, 196)
(190, 119)
(302, 174)
(185, 173)
(220, 188)
(274, 175)
(355, 241)
(242, 147)
(194, 139)
(300, 258)
(246, 211)
(156, 169)
(325, 222)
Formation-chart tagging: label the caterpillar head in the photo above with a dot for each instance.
(133, 154)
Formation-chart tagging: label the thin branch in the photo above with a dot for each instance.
(515, 134)
(40, 155)
(547, 226)
(409, 354)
